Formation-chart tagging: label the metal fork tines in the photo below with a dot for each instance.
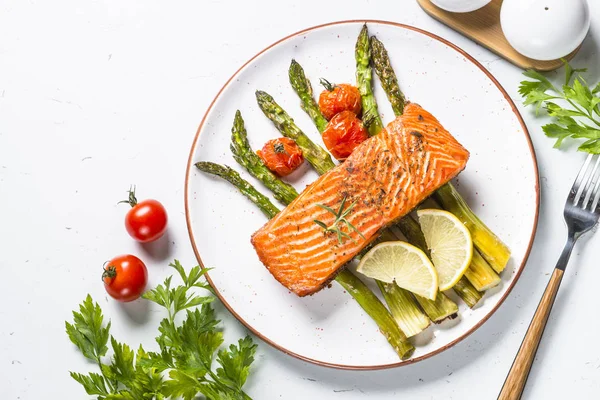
(581, 209)
(589, 190)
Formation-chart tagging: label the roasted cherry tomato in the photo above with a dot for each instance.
(125, 277)
(146, 221)
(337, 98)
(343, 133)
(282, 156)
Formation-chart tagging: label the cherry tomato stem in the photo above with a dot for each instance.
(131, 200)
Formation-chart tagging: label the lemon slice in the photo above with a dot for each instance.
(449, 243)
(402, 263)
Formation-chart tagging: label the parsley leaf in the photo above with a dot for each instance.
(236, 362)
(199, 341)
(181, 385)
(572, 108)
(180, 298)
(122, 362)
(92, 383)
(87, 332)
(569, 71)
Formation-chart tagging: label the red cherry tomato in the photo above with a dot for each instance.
(343, 133)
(337, 98)
(282, 156)
(146, 221)
(125, 277)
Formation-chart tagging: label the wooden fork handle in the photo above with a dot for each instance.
(517, 376)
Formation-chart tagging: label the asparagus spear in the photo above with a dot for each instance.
(243, 154)
(405, 310)
(386, 75)
(315, 155)
(493, 250)
(375, 308)
(303, 89)
(370, 113)
(243, 186)
(439, 309)
(480, 274)
(352, 284)
(467, 292)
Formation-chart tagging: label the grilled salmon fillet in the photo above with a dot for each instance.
(386, 176)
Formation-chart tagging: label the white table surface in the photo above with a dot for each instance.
(97, 95)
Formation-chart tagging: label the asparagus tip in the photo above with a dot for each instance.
(261, 94)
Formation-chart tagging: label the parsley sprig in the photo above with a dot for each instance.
(575, 107)
(340, 218)
(182, 368)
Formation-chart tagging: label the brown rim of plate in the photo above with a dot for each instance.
(517, 273)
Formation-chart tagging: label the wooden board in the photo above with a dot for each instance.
(483, 26)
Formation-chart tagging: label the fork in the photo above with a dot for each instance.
(581, 214)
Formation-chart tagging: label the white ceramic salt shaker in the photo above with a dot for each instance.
(545, 29)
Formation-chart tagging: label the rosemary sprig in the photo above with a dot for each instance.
(340, 218)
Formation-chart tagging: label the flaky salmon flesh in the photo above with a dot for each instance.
(386, 177)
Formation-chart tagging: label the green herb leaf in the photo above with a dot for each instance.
(320, 223)
(160, 295)
(169, 337)
(177, 265)
(236, 362)
(569, 71)
(122, 362)
(581, 94)
(541, 83)
(182, 300)
(554, 110)
(537, 98)
(556, 131)
(88, 332)
(148, 382)
(194, 277)
(122, 395)
(158, 361)
(199, 339)
(93, 383)
(181, 385)
(591, 146)
(575, 119)
(324, 207)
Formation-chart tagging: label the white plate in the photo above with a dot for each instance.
(500, 183)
